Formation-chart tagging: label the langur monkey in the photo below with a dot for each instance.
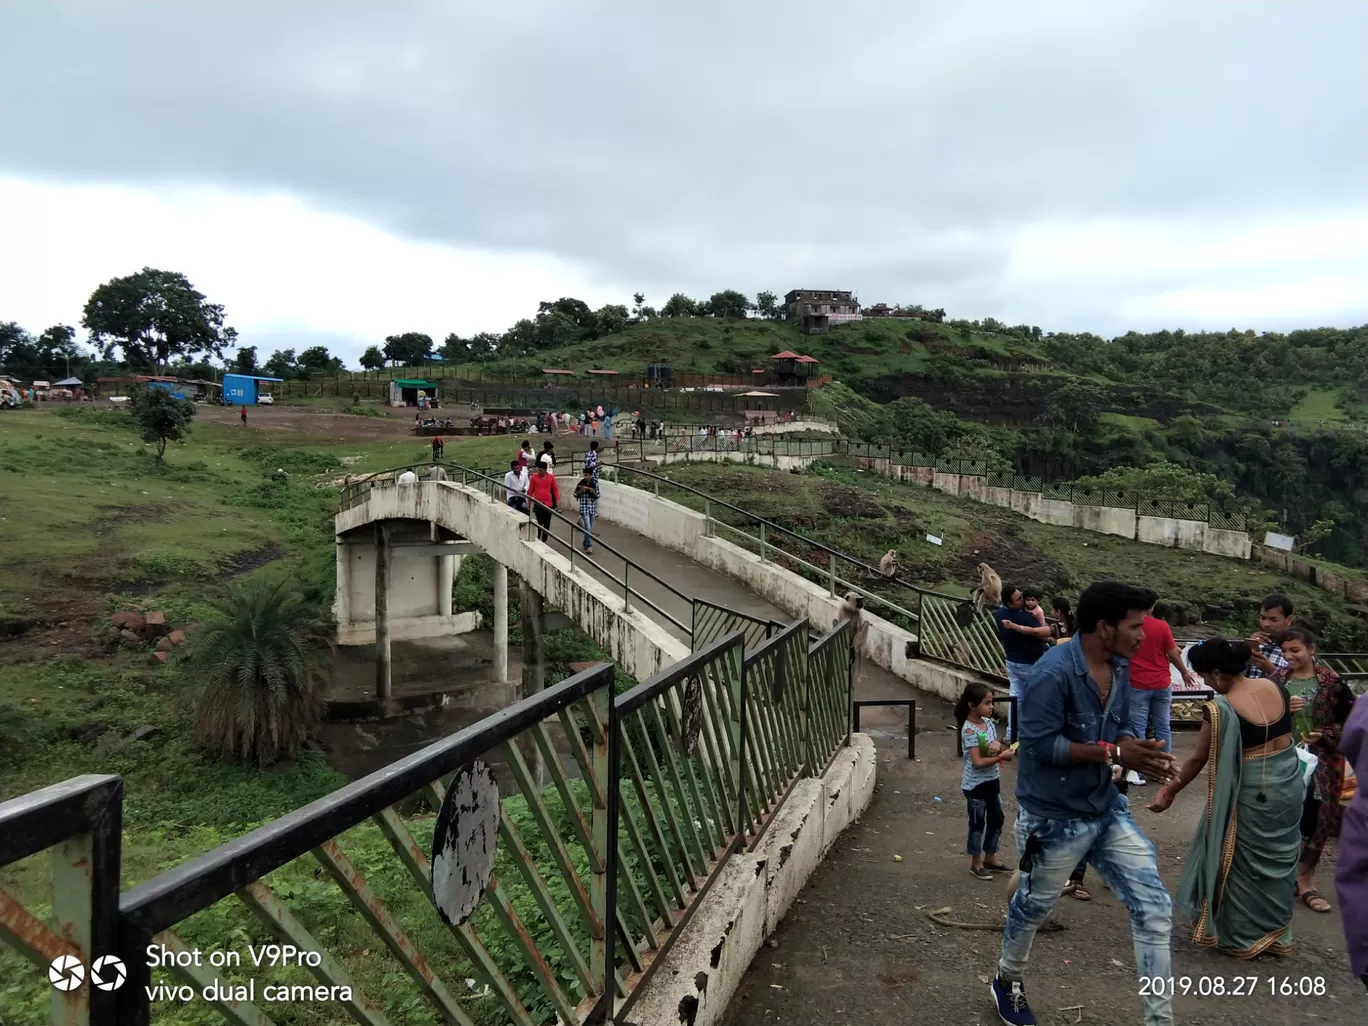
(888, 565)
(988, 595)
(851, 606)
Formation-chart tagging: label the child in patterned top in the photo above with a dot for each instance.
(983, 754)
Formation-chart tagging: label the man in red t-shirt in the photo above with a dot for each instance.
(1151, 697)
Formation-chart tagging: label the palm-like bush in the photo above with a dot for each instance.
(261, 660)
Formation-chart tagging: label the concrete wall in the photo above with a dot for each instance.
(1351, 589)
(637, 644)
(362, 632)
(1120, 522)
(753, 891)
(414, 586)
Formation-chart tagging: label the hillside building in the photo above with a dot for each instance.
(817, 310)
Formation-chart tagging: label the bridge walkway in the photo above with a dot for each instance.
(888, 726)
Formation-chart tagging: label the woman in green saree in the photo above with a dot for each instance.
(1237, 883)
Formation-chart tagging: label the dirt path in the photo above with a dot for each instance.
(310, 423)
(858, 949)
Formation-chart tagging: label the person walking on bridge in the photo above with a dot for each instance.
(544, 492)
(587, 494)
(1075, 729)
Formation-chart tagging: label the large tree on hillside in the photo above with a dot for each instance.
(730, 304)
(410, 348)
(611, 318)
(767, 306)
(152, 316)
(680, 305)
(372, 358)
(317, 360)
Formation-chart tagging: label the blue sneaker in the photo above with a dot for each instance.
(1011, 1003)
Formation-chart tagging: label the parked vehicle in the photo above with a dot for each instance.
(265, 399)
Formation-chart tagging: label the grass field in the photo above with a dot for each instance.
(1320, 405)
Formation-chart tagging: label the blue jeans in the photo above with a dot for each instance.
(1016, 680)
(587, 519)
(1155, 707)
(985, 819)
(1125, 859)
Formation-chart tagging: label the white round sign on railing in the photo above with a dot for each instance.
(465, 842)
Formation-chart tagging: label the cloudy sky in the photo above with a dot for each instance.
(338, 171)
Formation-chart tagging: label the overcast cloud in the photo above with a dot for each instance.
(340, 171)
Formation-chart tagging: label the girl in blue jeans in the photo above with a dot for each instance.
(982, 788)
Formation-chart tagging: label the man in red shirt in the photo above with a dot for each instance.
(545, 494)
(1151, 697)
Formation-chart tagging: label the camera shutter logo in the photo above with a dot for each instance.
(108, 973)
(66, 972)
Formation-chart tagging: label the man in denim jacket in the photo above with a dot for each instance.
(1075, 727)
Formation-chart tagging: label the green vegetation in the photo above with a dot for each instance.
(259, 658)
(865, 515)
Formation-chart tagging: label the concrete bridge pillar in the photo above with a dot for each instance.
(501, 623)
(382, 624)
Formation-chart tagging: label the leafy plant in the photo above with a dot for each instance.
(260, 657)
(161, 417)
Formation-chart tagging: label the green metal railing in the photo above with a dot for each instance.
(948, 628)
(711, 622)
(536, 865)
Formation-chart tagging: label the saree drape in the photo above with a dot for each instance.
(1237, 885)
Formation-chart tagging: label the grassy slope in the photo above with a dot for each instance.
(697, 344)
(122, 527)
(865, 515)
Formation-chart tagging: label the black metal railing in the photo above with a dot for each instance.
(536, 865)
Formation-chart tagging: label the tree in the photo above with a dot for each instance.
(611, 318)
(282, 364)
(152, 316)
(59, 343)
(919, 427)
(679, 305)
(730, 304)
(409, 349)
(246, 361)
(767, 306)
(317, 359)
(161, 417)
(261, 658)
(372, 358)
(1076, 406)
(639, 305)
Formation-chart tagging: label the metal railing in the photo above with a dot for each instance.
(80, 821)
(948, 628)
(711, 622)
(355, 492)
(566, 841)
